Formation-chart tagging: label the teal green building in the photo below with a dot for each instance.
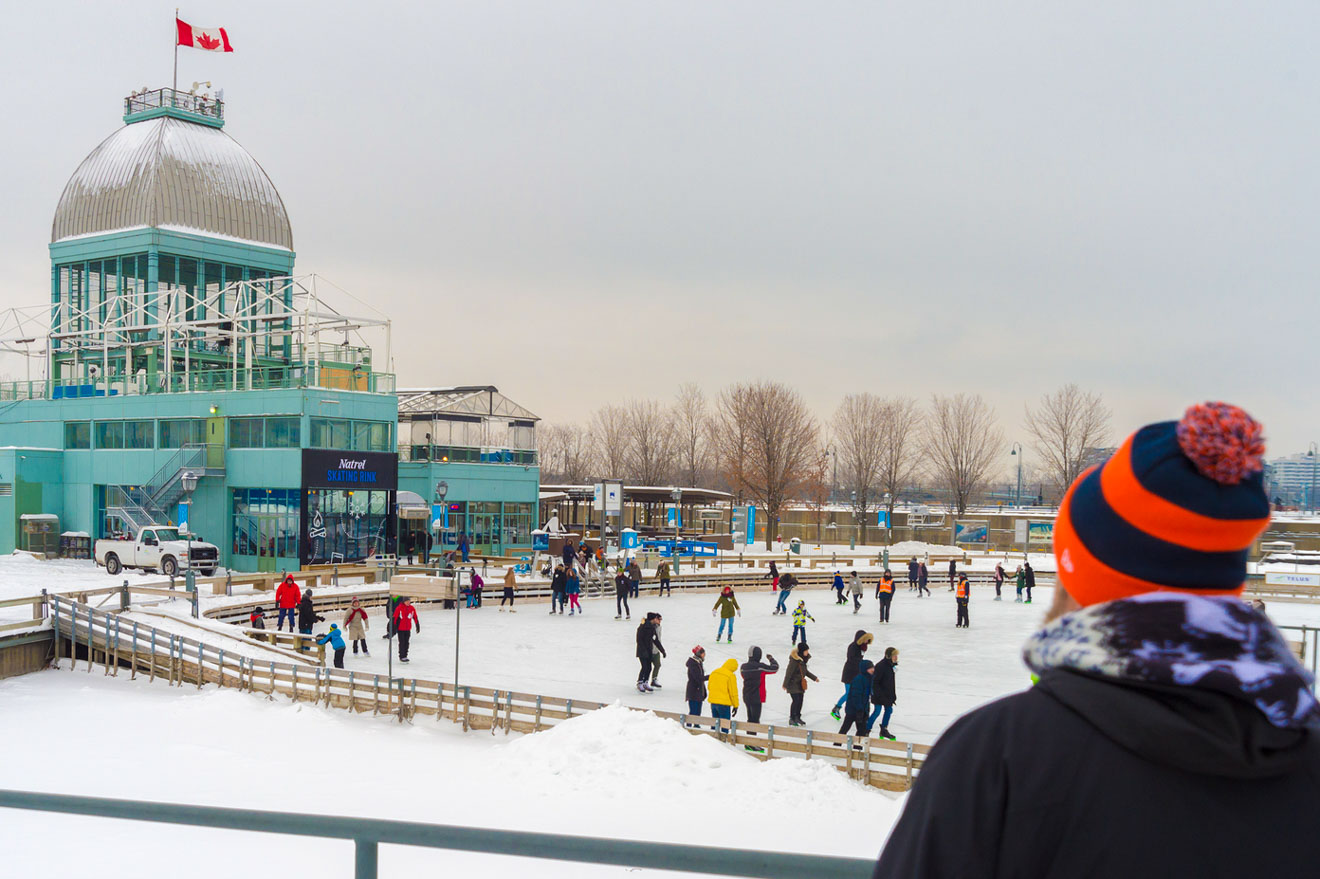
(192, 376)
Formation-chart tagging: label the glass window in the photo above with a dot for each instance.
(346, 525)
(266, 522)
(283, 433)
(330, 433)
(379, 436)
(77, 435)
(178, 433)
(109, 434)
(246, 433)
(139, 434)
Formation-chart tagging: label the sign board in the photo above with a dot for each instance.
(743, 525)
(1040, 533)
(598, 497)
(183, 515)
(882, 518)
(614, 498)
(439, 517)
(710, 514)
(1291, 578)
(674, 516)
(326, 468)
(422, 586)
(971, 531)
(1020, 531)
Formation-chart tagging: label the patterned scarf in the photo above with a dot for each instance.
(1186, 640)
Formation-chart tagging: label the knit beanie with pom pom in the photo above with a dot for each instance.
(1175, 508)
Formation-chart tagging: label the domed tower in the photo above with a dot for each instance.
(150, 236)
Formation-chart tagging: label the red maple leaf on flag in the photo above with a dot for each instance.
(207, 41)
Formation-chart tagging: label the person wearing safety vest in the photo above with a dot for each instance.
(963, 594)
(884, 590)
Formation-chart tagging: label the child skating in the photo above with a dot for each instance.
(800, 617)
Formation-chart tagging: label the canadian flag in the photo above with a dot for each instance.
(212, 39)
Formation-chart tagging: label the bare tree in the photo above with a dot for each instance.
(859, 443)
(768, 441)
(691, 433)
(900, 457)
(609, 429)
(1064, 428)
(816, 488)
(649, 428)
(566, 453)
(961, 442)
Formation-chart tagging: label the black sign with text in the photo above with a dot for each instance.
(326, 468)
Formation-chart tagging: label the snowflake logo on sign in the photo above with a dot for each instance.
(206, 41)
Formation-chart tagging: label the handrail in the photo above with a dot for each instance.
(368, 833)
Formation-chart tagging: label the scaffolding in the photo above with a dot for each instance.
(263, 333)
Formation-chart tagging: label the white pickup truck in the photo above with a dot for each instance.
(157, 547)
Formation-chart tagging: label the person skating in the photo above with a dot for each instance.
(1183, 735)
(572, 589)
(800, 617)
(723, 692)
(478, 584)
(999, 579)
(405, 620)
(335, 639)
(786, 584)
(837, 583)
(883, 692)
(913, 570)
(773, 574)
(510, 581)
(634, 578)
(963, 597)
(840, 588)
(287, 597)
(795, 681)
(855, 590)
(356, 624)
(621, 588)
(558, 589)
(695, 693)
(953, 573)
(923, 578)
(662, 574)
(567, 554)
(754, 672)
(1020, 578)
(390, 606)
(307, 617)
(1029, 579)
(648, 641)
(884, 590)
(726, 606)
(858, 700)
(656, 653)
(860, 642)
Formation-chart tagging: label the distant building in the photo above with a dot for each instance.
(1290, 480)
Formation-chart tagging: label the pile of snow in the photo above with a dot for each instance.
(613, 773)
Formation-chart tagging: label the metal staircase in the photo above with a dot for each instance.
(174, 481)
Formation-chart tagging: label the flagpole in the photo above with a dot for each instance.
(176, 49)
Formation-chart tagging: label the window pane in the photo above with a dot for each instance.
(109, 434)
(282, 433)
(246, 433)
(361, 435)
(139, 434)
(78, 435)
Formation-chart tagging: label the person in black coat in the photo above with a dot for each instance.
(568, 554)
(621, 588)
(307, 616)
(861, 640)
(883, 692)
(696, 681)
(1030, 581)
(953, 573)
(558, 589)
(647, 643)
(913, 570)
(753, 688)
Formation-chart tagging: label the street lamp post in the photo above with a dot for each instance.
(677, 495)
(189, 481)
(1017, 453)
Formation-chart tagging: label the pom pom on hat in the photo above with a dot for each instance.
(1224, 442)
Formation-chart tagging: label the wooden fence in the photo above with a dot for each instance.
(110, 643)
(38, 603)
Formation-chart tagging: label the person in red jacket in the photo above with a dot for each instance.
(405, 618)
(287, 596)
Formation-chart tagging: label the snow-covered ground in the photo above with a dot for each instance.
(613, 773)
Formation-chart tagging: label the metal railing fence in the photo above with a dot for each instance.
(367, 834)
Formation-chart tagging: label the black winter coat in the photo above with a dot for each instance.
(696, 683)
(1083, 777)
(568, 554)
(307, 615)
(882, 683)
(853, 659)
(648, 641)
(753, 675)
(560, 581)
(1031, 576)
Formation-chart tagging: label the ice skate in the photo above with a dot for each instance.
(656, 685)
(834, 712)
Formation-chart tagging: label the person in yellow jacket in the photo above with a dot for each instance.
(722, 691)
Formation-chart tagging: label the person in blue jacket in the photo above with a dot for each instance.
(859, 700)
(335, 639)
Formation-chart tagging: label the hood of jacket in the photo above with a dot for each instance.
(1207, 685)
(793, 654)
(754, 655)
(729, 666)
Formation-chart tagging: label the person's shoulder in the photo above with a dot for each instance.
(1006, 721)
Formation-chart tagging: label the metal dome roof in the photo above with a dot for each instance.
(170, 173)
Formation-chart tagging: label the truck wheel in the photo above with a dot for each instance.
(168, 566)
(112, 566)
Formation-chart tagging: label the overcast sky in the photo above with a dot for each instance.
(582, 202)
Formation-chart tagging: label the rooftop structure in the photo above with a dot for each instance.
(474, 424)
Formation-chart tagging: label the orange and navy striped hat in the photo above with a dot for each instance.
(1175, 508)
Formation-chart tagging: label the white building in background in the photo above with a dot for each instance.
(1290, 480)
